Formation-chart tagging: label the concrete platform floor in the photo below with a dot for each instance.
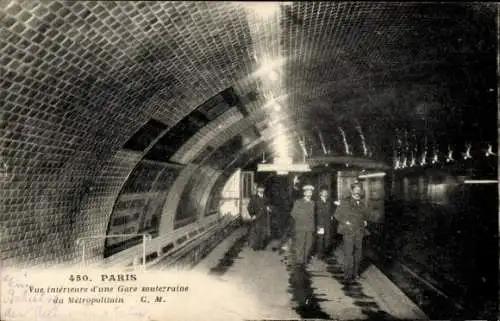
(264, 276)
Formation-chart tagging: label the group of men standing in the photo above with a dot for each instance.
(316, 223)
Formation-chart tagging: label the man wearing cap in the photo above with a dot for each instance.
(303, 226)
(351, 216)
(324, 218)
(258, 208)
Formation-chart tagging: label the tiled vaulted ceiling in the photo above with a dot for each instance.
(82, 77)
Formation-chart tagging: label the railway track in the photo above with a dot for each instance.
(438, 298)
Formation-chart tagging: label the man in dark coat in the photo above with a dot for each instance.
(324, 221)
(258, 208)
(303, 227)
(352, 218)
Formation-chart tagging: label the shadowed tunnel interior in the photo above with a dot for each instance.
(128, 118)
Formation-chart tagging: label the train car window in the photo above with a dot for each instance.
(167, 247)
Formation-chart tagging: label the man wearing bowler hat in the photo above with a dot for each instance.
(258, 208)
(352, 218)
(324, 219)
(303, 226)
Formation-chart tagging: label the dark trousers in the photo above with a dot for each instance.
(353, 253)
(321, 246)
(303, 245)
(258, 233)
(324, 243)
(300, 283)
(278, 224)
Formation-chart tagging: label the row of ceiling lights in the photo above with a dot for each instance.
(405, 161)
(270, 76)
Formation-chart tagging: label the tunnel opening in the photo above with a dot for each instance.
(160, 146)
(436, 222)
(138, 209)
(199, 198)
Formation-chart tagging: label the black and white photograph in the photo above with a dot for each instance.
(249, 160)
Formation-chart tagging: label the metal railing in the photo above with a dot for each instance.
(145, 236)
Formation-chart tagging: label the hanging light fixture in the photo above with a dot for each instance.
(344, 139)
(423, 161)
(322, 142)
(450, 155)
(467, 154)
(362, 136)
(489, 151)
(397, 165)
(435, 158)
(395, 150)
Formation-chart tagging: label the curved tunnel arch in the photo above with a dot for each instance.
(291, 115)
(76, 91)
(247, 156)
